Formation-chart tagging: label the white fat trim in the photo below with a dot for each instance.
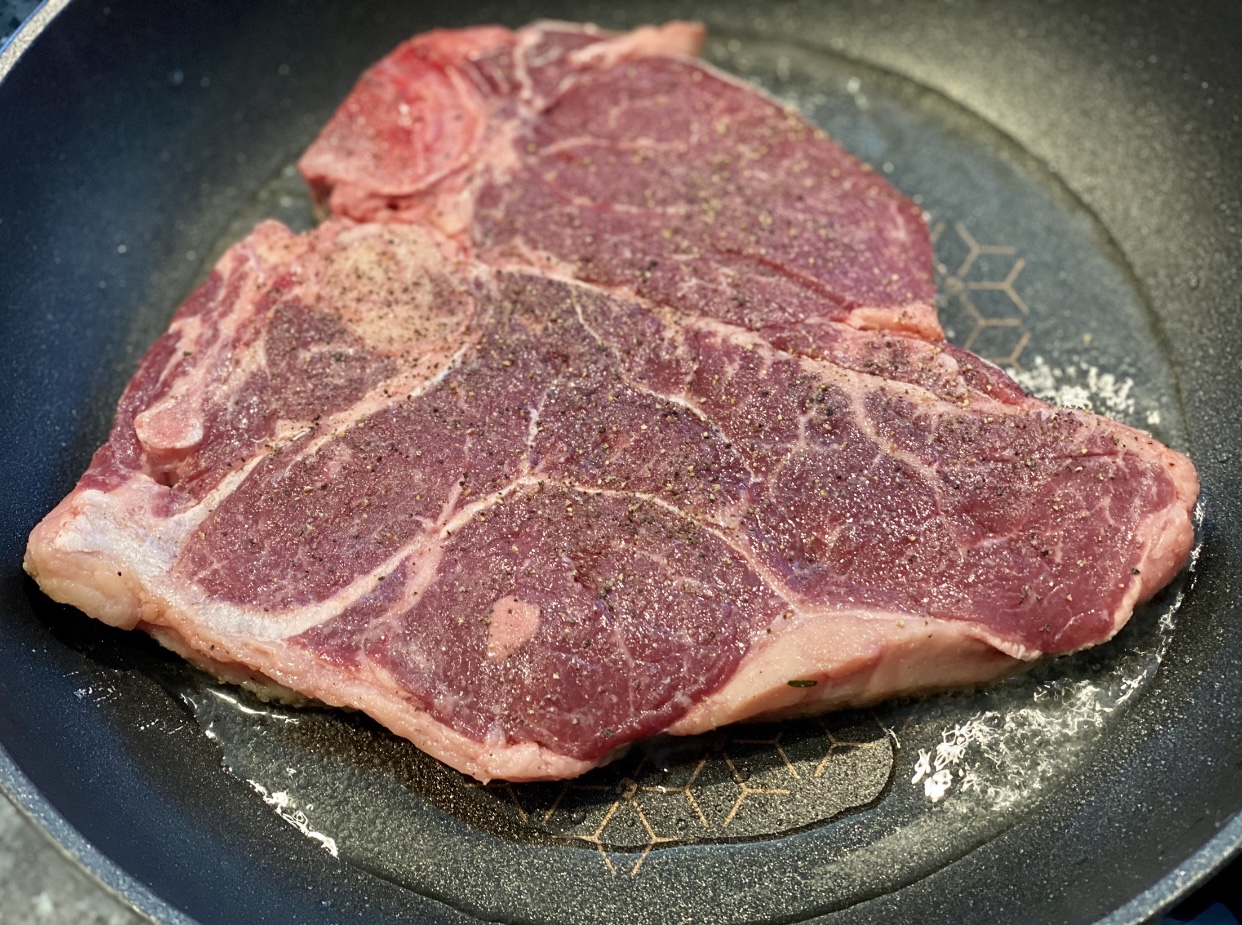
(847, 658)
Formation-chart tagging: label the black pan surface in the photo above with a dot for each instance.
(1082, 178)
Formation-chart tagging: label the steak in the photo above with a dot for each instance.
(523, 521)
(612, 403)
(623, 162)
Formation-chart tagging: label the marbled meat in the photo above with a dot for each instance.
(626, 163)
(525, 508)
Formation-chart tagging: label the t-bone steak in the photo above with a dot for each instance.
(524, 507)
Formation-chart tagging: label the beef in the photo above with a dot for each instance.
(524, 520)
(622, 162)
(613, 404)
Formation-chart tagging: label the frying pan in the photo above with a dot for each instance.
(1094, 149)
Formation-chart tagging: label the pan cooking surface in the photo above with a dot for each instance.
(144, 139)
(1028, 279)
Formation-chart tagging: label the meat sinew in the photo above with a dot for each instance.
(524, 507)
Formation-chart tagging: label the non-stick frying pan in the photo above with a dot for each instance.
(1081, 170)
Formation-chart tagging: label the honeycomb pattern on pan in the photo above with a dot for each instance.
(979, 299)
(736, 784)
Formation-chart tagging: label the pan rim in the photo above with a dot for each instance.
(1196, 869)
(36, 809)
(22, 792)
(12, 50)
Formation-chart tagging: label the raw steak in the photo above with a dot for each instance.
(524, 521)
(623, 162)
